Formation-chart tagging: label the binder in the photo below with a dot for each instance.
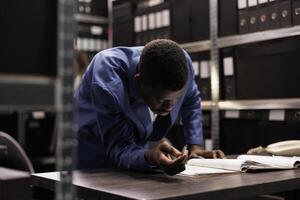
(271, 64)
(243, 16)
(253, 15)
(99, 8)
(123, 26)
(296, 12)
(274, 14)
(204, 82)
(180, 30)
(199, 16)
(285, 19)
(264, 17)
(228, 69)
(202, 74)
(228, 18)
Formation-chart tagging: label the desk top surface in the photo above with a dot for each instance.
(118, 184)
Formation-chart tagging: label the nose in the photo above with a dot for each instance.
(168, 106)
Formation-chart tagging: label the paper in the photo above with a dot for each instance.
(194, 170)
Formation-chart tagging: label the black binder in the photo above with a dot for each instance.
(253, 15)
(202, 74)
(268, 70)
(99, 8)
(253, 128)
(199, 15)
(243, 16)
(296, 12)
(285, 19)
(228, 85)
(274, 14)
(123, 26)
(228, 15)
(181, 29)
(264, 16)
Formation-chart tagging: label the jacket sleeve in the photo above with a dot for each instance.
(190, 111)
(117, 132)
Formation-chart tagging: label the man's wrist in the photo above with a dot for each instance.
(148, 158)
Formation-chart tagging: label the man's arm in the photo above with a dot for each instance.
(191, 111)
(192, 120)
(117, 135)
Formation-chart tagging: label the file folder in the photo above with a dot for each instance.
(199, 16)
(296, 12)
(285, 19)
(253, 15)
(268, 70)
(228, 73)
(274, 14)
(228, 18)
(264, 16)
(181, 29)
(243, 16)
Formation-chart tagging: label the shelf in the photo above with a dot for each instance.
(260, 104)
(206, 105)
(8, 108)
(91, 19)
(193, 47)
(26, 79)
(258, 36)
(243, 39)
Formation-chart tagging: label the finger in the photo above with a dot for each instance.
(164, 160)
(181, 160)
(221, 154)
(167, 148)
(214, 154)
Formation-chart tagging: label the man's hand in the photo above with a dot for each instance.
(167, 157)
(196, 151)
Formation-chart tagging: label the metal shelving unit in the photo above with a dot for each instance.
(235, 40)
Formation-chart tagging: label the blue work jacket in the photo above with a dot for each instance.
(114, 123)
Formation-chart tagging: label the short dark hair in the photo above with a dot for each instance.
(163, 63)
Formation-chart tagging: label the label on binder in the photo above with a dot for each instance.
(262, 1)
(196, 67)
(144, 23)
(242, 4)
(233, 114)
(204, 69)
(166, 18)
(228, 66)
(158, 20)
(276, 115)
(252, 3)
(137, 24)
(151, 17)
(96, 30)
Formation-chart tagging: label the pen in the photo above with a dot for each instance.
(184, 149)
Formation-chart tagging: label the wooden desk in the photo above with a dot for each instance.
(117, 184)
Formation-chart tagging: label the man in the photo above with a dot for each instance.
(113, 101)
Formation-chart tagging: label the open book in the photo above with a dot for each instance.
(243, 163)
